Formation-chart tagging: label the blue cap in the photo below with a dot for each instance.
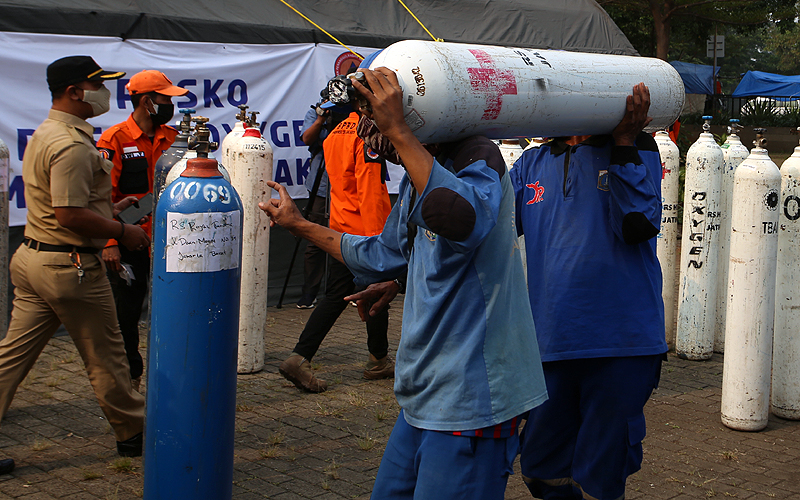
(344, 108)
(368, 60)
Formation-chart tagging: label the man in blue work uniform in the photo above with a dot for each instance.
(590, 212)
(467, 366)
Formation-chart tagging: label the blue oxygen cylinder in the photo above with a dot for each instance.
(191, 373)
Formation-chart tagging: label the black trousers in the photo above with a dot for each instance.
(129, 301)
(340, 285)
(314, 258)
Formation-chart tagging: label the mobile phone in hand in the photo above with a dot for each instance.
(134, 214)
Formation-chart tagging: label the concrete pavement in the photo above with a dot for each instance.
(291, 445)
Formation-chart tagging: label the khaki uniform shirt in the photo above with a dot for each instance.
(62, 168)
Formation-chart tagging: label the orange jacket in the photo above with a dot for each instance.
(134, 157)
(359, 197)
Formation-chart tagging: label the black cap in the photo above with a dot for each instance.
(74, 69)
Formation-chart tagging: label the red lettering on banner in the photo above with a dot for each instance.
(491, 82)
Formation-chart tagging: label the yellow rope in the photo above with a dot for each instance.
(322, 30)
(420, 22)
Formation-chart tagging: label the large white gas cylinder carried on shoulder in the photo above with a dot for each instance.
(667, 244)
(733, 153)
(751, 291)
(786, 343)
(454, 90)
(697, 306)
(250, 167)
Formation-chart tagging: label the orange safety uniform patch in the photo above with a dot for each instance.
(359, 198)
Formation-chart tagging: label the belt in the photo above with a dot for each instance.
(46, 247)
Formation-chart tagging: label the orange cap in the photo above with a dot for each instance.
(151, 80)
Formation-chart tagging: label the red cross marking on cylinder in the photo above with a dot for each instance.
(492, 82)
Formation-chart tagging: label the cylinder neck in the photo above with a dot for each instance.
(201, 167)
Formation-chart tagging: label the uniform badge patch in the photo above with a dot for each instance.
(108, 154)
(538, 193)
(602, 180)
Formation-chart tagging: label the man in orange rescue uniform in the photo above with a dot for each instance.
(134, 146)
(359, 205)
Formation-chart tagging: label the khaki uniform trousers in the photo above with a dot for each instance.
(48, 294)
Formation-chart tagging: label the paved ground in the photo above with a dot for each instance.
(328, 446)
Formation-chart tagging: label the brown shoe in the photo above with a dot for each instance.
(379, 368)
(297, 370)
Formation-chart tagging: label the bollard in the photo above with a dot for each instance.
(733, 153)
(191, 373)
(697, 311)
(786, 347)
(751, 292)
(667, 244)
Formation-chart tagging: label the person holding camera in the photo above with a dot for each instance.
(58, 274)
(359, 201)
(317, 124)
(134, 146)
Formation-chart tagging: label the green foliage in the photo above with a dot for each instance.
(761, 36)
(770, 113)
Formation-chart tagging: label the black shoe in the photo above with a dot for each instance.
(306, 302)
(6, 466)
(130, 447)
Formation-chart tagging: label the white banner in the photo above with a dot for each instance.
(279, 81)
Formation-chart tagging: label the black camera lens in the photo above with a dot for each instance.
(340, 90)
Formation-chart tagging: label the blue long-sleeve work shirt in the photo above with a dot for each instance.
(467, 357)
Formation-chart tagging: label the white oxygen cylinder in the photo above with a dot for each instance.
(733, 153)
(180, 166)
(512, 151)
(667, 244)
(231, 137)
(697, 311)
(751, 292)
(229, 140)
(454, 90)
(250, 167)
(786, 343)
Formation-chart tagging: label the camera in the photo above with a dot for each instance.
(342, 92)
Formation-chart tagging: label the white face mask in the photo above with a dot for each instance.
(98, 99)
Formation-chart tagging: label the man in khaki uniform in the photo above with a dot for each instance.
(58, 274)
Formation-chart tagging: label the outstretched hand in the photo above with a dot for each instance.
(374, 298)
(281, 211)
(635, 119)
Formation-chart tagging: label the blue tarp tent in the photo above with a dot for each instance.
(696, 77)
(758, 83)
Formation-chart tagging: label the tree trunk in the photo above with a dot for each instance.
(662, 25)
